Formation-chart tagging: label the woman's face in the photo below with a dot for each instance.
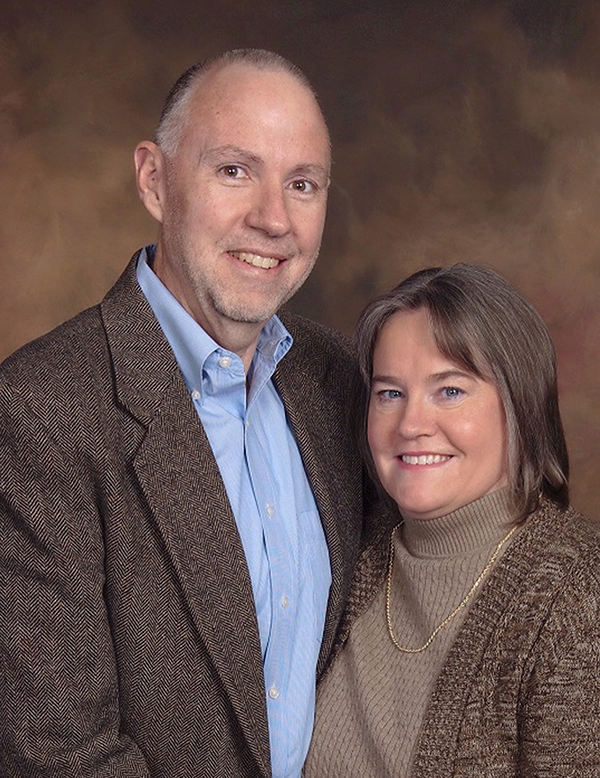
(436, 432)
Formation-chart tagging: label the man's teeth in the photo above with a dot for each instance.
(425, 459)
(256, 260)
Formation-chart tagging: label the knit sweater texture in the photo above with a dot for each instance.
(374, 690)
(515, 682)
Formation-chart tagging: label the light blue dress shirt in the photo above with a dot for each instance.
(273, 505)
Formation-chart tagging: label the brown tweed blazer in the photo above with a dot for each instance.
(128, 641)
(519, 693)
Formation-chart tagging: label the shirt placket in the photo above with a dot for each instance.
(280, 545)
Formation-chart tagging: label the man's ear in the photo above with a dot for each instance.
(150, 174)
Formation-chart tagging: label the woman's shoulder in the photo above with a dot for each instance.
(575, 548)
(551, 568)
(562, 535)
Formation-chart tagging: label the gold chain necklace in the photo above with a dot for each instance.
(458, 608)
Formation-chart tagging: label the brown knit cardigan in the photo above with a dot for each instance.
(519, 693)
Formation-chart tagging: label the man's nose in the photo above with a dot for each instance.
(269, 210)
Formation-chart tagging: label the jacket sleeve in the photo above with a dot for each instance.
(59, 697)
(560, 711)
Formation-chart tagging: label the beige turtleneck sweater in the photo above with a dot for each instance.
(373, 691)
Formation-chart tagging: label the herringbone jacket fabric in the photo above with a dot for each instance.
(519, 693)
(128, 640)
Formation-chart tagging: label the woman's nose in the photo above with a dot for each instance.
(417, 418)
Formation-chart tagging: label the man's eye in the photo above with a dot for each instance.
(231, 171)
(302, 185)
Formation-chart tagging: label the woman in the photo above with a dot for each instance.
(471, 641)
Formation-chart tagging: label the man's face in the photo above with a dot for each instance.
(244, 197)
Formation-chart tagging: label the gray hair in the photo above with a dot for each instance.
(480, 322)
(174, 112)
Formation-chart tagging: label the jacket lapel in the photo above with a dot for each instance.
(182, 484)
(330, 465)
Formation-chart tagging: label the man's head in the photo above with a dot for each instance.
(238, 180)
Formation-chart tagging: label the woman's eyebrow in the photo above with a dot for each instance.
(455, 373)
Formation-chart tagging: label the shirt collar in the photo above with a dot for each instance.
(191, 344)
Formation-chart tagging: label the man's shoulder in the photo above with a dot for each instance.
(75, 346)
(65, 348)
(57, 381)
(317, 340)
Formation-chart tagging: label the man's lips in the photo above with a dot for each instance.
(256, 260)
(424, 459)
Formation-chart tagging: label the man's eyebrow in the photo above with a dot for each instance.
(231, 153)
(312, 169)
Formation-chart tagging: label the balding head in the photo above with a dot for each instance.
(175, 110)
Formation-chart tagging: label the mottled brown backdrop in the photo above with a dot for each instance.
(462, 131)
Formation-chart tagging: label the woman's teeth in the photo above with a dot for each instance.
(424, 459)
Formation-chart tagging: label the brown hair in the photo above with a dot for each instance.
(480, 322)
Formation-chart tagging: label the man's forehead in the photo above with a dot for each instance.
(239, 88)
(226, 77)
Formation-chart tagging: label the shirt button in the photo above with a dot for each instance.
(273, 692)
(195, 395)
(270, 510)
(225, 361)
(285, 601)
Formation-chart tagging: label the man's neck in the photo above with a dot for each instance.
(239, 337)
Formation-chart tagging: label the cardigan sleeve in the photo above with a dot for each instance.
(559, 717)
(59, 703)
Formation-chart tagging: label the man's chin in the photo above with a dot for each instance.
(247, 313)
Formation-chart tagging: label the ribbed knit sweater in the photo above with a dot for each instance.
(514, 683)
(374, 691)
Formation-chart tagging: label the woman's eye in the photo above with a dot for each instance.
(452, 392)
(387, 395)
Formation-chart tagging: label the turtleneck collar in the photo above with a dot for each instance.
(476, 525)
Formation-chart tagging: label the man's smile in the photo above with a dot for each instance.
(256, 260)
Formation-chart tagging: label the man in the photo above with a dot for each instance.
(180, 500)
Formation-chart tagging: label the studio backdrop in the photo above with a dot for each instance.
(462, 131)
